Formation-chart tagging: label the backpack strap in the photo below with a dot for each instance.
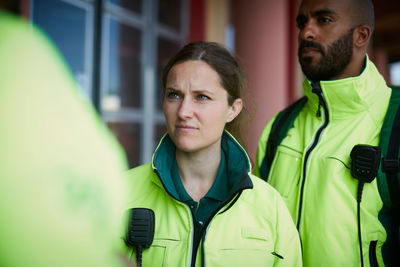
(388, 178)
(282, 124)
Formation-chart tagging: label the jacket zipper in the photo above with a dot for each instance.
(316, 89)
(235, 195)
(192, 246)
(195, 247)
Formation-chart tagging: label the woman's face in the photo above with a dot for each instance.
(196, 106)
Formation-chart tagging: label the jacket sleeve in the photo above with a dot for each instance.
(287, 242)
(261, 148)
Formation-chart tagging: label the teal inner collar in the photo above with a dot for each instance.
(234, 167)
(219, 190)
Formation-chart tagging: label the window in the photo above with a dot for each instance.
(137, 39)
(69, 25)
(131, 5)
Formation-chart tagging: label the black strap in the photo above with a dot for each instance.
(388, 179)
(282, 124)
(390, 165)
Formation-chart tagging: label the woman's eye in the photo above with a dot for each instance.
(172, 95)
(203, 97)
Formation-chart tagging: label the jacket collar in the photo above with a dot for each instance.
(237, 164)
(351, 96)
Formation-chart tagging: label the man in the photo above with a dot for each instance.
(346, 104)
(61, 188)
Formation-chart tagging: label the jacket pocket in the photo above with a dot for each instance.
(245, 257)
(254, 249)
(285, 171)
(154, 256)
(157, 255)
(254, 233)
(285, 176)
(247, 245)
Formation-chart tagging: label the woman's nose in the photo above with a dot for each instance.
(185, 108)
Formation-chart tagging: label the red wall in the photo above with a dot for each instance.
(262, 46)
(197, 20)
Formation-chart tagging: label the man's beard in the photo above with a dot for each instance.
(333, 61)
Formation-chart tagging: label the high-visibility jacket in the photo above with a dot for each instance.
(311, 169)
(61, 170)
(252, 227)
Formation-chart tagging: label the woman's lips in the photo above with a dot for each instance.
(185, 127)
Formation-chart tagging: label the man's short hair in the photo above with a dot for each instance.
(363, 13)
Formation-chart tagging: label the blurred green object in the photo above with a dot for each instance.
(61, 170)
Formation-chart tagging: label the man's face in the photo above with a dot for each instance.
(333, 60)
(325, 39)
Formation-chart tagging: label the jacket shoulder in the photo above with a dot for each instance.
(142, 169)
(264, 192)
(140, 180)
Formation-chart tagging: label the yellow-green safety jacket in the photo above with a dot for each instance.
(311, 169)
(62, 187)
(251, 228)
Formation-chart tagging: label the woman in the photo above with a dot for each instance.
(209, 210)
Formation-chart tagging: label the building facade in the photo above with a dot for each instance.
(117, 48)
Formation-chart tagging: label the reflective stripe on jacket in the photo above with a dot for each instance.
(311, 170)
(252, 228)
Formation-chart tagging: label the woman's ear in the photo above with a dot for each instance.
(234, 109)
(362, 35)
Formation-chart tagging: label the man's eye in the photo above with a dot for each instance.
(324, 20)
(301, 24)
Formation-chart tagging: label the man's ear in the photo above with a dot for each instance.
(361, 36)
(235, 109)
